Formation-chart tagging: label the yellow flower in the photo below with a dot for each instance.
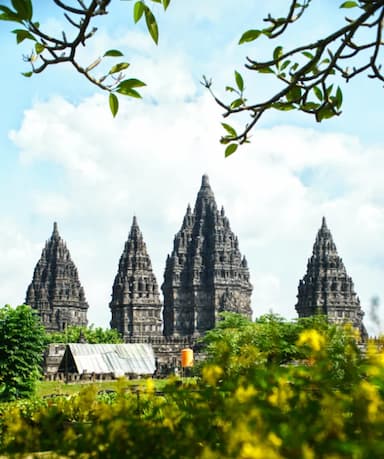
(370, 393)
(307, 452)
(311, 338)
(244, 394)
(212, 373)
(150, 386)
(275, 440)
(375, 356)
(251, 451)
(281, 394)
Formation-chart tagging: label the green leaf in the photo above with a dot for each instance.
(318, 93)
(151, 25)
(22, 34)
(325, 113)
(129, 84)
(27, 74)
(23, 8)
(282, 106)
(284, 65)
(307, 54)
(9, 15)
(329, 90)
(277, 53)
(129, 92)
(39, 48)
(118, 67)
(231, 148)
(239, 81)
(250, 35)
(138, 11)
(229, 89)
(237, 103)
(113, 103)
(113, 53)
(265, 70)
(348, 5)
(126, 87)
(339, 97)
(294, 94)
(229, 129)
(310, 106)
(166, 3)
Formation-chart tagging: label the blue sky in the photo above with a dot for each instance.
(65, 159)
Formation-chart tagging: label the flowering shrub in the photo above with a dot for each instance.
(314, 408)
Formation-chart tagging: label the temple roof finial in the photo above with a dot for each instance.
(323, 223)
(134, 221)
(205, 180)
(55, 230)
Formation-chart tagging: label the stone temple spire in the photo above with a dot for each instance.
(205, 274)
(135, 304)
(55, 291)
(326, 288)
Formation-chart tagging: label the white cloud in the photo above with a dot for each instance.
(16, 267)
(52, 205)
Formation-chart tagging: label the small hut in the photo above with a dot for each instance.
(104, 361)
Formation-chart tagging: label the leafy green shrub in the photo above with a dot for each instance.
(91, 334)
(328, 404)
(21, 351)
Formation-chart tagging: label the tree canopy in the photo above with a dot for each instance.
(21, 351)
(91, 335)
(266, 410)
(239, 345)
(310, 75)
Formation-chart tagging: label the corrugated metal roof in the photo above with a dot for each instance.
(119, 359)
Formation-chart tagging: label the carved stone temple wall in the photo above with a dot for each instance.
(136, 305)
(326, 287)
(205, 273)
(55, 291)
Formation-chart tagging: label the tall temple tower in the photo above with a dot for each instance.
(55, 290)
(205, 274)
(326, 288)
(135, 305)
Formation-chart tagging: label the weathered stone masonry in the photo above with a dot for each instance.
(55, 291)
(136, 305)
(205, 273)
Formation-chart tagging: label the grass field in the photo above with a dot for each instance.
(46, 388)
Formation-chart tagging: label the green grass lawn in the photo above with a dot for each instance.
(46, 388)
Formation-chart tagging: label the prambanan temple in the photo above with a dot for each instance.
(205, 274)
(326, 287)
(55, 290)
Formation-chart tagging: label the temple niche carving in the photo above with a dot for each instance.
(135, 304)
(55, 291)
(205, 273)
(326, 287)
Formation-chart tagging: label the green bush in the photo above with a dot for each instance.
(21, 351)
(91, 334)
(317, 407)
